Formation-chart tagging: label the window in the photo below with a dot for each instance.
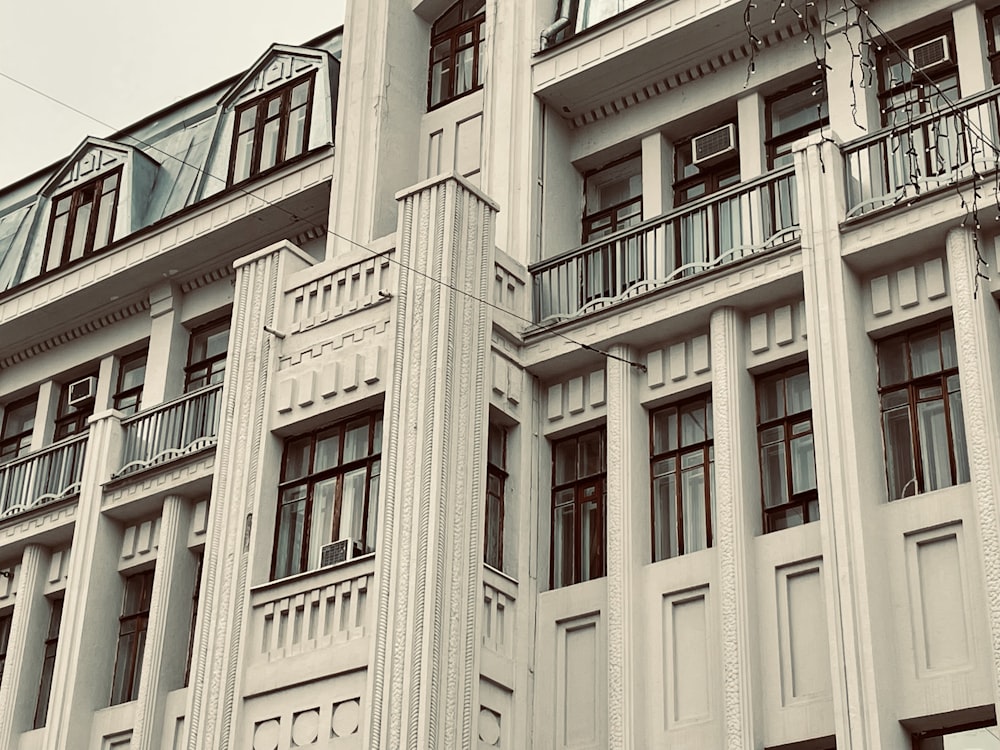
(993, 42)
(456, 60)
(194, 618)
(207, 352)
(48, 664)
(18, 424)
(328, 491)
(787, 455)
(578, 508)
(5, 621)
(83, 220)
(132, 627)
(496, 480)
(613, 198)
(131, 376)
(682, 468)
(977, 736)
(592, 12)
(72, 419)
(922, 411)
(271, 129)
(906, 92)
(791, 115)
(692, 181)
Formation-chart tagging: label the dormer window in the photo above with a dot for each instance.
(271, 129)
(83, 220)
(457, 40)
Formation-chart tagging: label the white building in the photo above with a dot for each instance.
(542, 374)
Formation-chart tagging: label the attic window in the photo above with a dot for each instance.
(271, 129)
(83, 220)
(456, 63)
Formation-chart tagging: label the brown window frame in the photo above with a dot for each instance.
(134, 623)
(128, 400)
(77, 197)
(6, 619)
(714, 177)
(295, 557)
(806, 501)
(48, 663)
(677, 544)
(71, 420)
(922, 91)
(496, 486)
(917, 389)
(917, 738)
(579, 486)
(195, 599)
(592, 215)
(992, 20)
(15, 445)
(194, 378)
(261, 118)
(452, 34)
(775, 143)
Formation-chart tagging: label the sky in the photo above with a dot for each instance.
(120, 60)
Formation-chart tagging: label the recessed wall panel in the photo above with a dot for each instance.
(577, 696)
(804, 642)
(685, 650)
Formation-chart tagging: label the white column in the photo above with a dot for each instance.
(853, 106)
(25, 648)
(168, 345)
(45, 414)
(163, 660)
(627, 545)
(977, 337)
(750, 126)
(974, 73)
(85, 658)
(657, 175)
(738, 519)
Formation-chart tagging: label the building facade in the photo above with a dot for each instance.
(545, 374)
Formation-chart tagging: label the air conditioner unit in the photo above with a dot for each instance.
(714, 145)
(339, 551)
(81, 391)
(930, 53)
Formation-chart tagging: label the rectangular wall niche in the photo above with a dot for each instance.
(686, 668)
(578, 676)
(935, 568)
(803, 641)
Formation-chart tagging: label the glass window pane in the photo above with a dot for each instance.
(295, 137)
(321, 524)
(327, 450)
(693, 509)
(664, 517)
(892, 361)
(297, 458)
(772, 435)
(772, 470)
(900, 468)
(925, 354)
(123, 664)
(81, 224)
(105, 213)
(291, 533)
(356, 440)
(440, 81)
(565, 461)
(958, 438)
(797, 393)
(665, 430)
(934, 454)
(269, 145)
(771, 396)
(785, 518)
(803, 464)
(57, 239)
(948, 350)
(300, 94)
(244, 153)
(352, 505)
(247, 119)
(693, 427)
(591, 454)
(591, 541)
(562, 546)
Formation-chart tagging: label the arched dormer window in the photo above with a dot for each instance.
(456, 57)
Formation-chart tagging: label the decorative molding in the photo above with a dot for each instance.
(577, 398)
(35, 523)
(140, 542)
(776, 333)
(208, 278)
(362, 335)
(677, 365)
(507, 381)
(90, 326)
(161, 478)
(339, 293)
(330, 382)
(906, 293)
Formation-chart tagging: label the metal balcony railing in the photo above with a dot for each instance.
(42, 477)
(926, 153)
(177, 428)
(748, 218)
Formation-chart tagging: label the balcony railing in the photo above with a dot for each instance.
(936, 150)
(42, 477)
(177, 428)
(749, 218)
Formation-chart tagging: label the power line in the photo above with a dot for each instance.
(547, 328)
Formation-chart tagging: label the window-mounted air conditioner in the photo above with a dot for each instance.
(930, 53)
(339, 551)
(714, 145)
(82, 391)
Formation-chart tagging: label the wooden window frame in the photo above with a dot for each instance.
(6, 619)
(912, 386)
(579, 485)
(495, 510)
(715, 177)
(129, 400)
(774, 142)
(677, 454)
(91, 244)
(13, 445)
(71, 420)
(922, 90)
(48, 663)
(591, 214)
(806, 501)
(195, 599)
(131, 623)
(194, 378)
(477, 26)
(992, 20)
(371, 463)
(283, 95)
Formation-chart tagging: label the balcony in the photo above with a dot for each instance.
(42, 477)
(178, 428)
(928, 153)
(747, 219)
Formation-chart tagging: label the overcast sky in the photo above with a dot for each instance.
(120, 60)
